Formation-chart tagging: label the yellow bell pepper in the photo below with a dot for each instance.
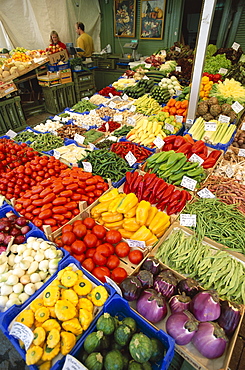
(142, 212)
(100, 208)
(153, 239)
(116, 202)
(111, 217)
(130, 224)
(113, 225)
(126, 234)
(163, 230)
(128, 202)
(112, 194)
(151, 214)
(131, 212)
(142, 234)
(159, 222)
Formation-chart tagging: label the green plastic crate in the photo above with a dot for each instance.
(59, 97)
(12, 116)
(85, 93)
(176, 362)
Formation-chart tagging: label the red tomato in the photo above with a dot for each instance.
(89, 222)
(78, 247)
(122, 249)
(68, 238)
(88, 264)
(119, 274)
(77, 222)
(113, 236)
(79, 230)
(135, 256)
(90, 252)
(99, 259)
(67, 248)
(101, 273)
(67, 228)
(112, 262)
(104, 249)
(79, 257)
(58, 241)
(99, 231)
(90, 240)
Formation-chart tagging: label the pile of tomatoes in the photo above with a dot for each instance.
(98, 250)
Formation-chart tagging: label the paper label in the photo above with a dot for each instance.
(169, 127)
(11, 133)
(179, 119)
(229, 171)
(132, 108)
(54, 133)
(107, 126)
(243, 126)
(241, 153)
(147, 65)
(87, 166)
(111, 95)
(136, 243)
(56, 154)
(112, 104)
(189, 121)
(131, 121)
(114, 285)
(224, 119)
(235, 46)
(79, 139)
(188, 183)
(86, 98)
(178, 92)
(196, 158)
(223, 71)
(210, 126)
(188, 220)
(71, 363)
(237, 107)
(9, 89)
(177, 49)
(2, 199)
(130, 158)
(22, 332)
(85, 126)
(125, 97)
(64, 119)
(178, 69)
(205, 193)
(93, 112)
(159, 142)
(56, 118)
(92, 146)
(118, 118)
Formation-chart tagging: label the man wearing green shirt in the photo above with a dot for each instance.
(84, 41)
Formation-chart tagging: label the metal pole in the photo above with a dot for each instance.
(201, 46)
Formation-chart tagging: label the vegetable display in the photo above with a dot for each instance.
(106, 91)
(147, 105)
(46, 142)
(109, 126)
(91, 136)
(84, 105)
(228, 91)
(176, 107)
(122, 148)
(69, 131)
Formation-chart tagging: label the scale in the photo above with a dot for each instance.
(133, 46)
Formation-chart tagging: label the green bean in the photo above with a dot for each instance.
(46, 142)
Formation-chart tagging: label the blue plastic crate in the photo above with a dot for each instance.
(120, 308)
(59, 67)
(123, 179)
(15, 310)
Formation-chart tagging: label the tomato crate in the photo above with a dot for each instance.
(8, 321)
(119, 307)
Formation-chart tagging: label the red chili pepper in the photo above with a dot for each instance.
(168, 192)
(176, 195)
(136, 184)
(140, 190)
(133, 179)
(155, 188)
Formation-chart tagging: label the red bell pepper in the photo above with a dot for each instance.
(185, 148)
(167, 147)
(209, 162)
(198, 147)
(215, 154)
(178, 142)
(170, 139)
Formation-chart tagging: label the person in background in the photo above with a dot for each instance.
(84, 41)
(55, 40)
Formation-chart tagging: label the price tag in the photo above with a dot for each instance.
(9, 89)
(22, 332)
(54, 133)
(147, 65)
(85, 126)
(243, 126)
(178, 92)
(235, 46)
(179, 119)
(93, 112)
(65, 119)
(112, 104)
(56, 154)
(11, 133)
(114, 285)
(241, 153)
(188, 220)
(196, 158)
(71, 363)
(87, 166)
(111, 95)
(229, 171)
(131, 121)
(125, 97)
(177, 49)
(169, 127)
(237, 107)
(79, 139)
(136, 243)
(159, 142)
(130, 158)
(210, 126)
(188, 183)
(86, 98)
(2, 199)
(92, 146)
(118, 118)
(223, 71)
(145, 77)
(56, 118)
(190, 121)
(107, 126)
(224, 119)
(178, 69)
(132, 108)
(205, 193)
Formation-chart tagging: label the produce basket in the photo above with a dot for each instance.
(13, 313)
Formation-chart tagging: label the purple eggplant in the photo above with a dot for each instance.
(166, 283)
(189, 286)
(205, 305)
(146, 278)
(131, 288)
(182, 326)
(152, 306)
(229, 317)
(152, 264)
(179, 303)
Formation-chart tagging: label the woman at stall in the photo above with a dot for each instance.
(55, 41)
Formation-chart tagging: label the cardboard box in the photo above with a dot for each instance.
(49, 79)
(65, 76)
(57, 57)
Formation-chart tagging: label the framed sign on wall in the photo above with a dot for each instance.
(152, 19)
(124, 18)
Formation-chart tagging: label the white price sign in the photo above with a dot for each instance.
(131, 121)
(210, 126)
(86, 98)
(179, 119)
(178, 69)
(93, 112)
(56, 118)
(79, 139)
(85, 126)
(107, 126)
(22, 332)
(189, 121)
(125, 97)
(188, 220)
(224, 119)
(11, 133)
(112, 104)
(54, 133)
(159, 142)
(132, 108)
(223, 71)
(237, 107)
(229, 171)
(9, 89)
(130, 158)
(241, 153)
(87, 166)
(64, 119)
(114, 285)
(118, 118)
(169, 127)
(196, 158)
(243, 126)
(92, 146)
(147, 65)
(178, 92)
(235, 46)
(111, 95)
(136, 243)
(177, 49)
(71, 363)
(188, 183)
(56, 154)
(205, 193)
